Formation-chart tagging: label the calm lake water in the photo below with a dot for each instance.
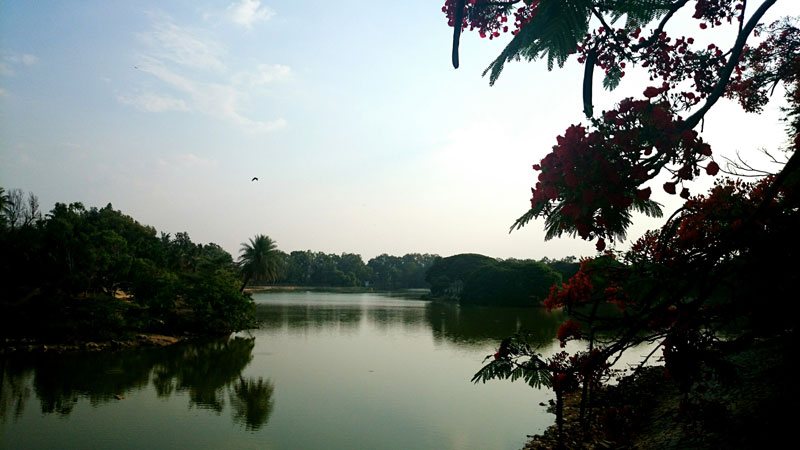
(324, 371)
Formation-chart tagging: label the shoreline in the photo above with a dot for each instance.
(140, 340)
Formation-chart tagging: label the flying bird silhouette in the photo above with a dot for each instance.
(254, 179)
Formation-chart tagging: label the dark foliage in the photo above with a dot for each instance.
(80, 273)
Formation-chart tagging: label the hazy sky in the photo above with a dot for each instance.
(363, 136)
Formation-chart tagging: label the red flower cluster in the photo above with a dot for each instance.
(591, 178)
(706, 223)
(577, 290)
(616, 295)
(490, 18)
(715, 11)
(670, 60)
(568, 330)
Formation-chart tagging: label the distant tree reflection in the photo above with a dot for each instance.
(204, 370)
(14, 390)
(251, 402)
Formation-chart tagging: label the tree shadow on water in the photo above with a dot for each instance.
(252, 402)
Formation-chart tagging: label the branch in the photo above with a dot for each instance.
(792, 166)
(458, 21)
(652, 39)
(743, 169)
(741, 16)
(736, 52)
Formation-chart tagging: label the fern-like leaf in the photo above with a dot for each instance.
(648, 207)
(554, 32)
(523, 220)
(638, 13)
(612, 78)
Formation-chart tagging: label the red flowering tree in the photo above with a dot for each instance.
(685, 285)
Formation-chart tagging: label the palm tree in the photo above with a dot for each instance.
(259, 260)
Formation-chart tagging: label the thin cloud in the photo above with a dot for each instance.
(151, 102)
(16, 60)
(185, 161)
(265, 73)
(172, 54)
(29, 60)
(183, 46)
(249, 12)
(190, 160)
(209, 98)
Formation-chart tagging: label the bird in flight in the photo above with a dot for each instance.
(254, 179)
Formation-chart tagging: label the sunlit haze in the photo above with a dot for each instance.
(363, 137)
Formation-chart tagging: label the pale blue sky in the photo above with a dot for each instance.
(363, 136)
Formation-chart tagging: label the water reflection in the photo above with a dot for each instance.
(252, 402)
(302, 317)
(316, 356)
(466, 326)
(305, 318)
(208, 371)
(470, 326)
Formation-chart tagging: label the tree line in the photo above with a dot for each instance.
(308, 268)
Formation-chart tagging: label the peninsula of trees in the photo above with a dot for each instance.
(97, 274)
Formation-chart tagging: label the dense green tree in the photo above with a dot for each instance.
(97, 273)
(447, 275)
(523, 283)
(477, 279)
(352, 265)
(567, 266)
(258, 260)
(299, 268)
(307, 268)
(386, 271)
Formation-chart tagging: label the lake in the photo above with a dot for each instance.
(324, 370)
